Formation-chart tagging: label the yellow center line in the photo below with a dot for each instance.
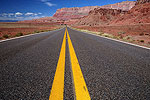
(81, 91)
(58, 82)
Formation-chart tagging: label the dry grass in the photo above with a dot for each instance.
(13, 29)
(126, 38)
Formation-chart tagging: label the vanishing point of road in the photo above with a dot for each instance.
(66, 64)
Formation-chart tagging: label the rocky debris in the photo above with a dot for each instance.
(137, 15)
(125, 5)
(99, 16)
(142, 1)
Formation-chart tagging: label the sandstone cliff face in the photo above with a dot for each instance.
(75, 12)
(138, 14)
(78, 12)
(142, 1)
(99, 16)
(125, 6)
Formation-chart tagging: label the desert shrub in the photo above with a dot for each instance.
(107, 35)
(42, 31)
(141, 34)
(147, 34)
(19, 34)
(127, 37)
(5, 36)
(116, 37)
(36, 31)
(28, 33)
(120, 33)
(100, 33)
(141, 40)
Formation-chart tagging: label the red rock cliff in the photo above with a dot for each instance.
(142, 1)
(99, 16)
(138, 14)
(78, 12)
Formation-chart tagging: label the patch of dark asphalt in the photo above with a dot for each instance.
(112, 70)
(12, 47)
(28, 75)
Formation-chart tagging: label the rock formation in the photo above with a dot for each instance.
(142, 1)
(99, 16)
(71, 15)
(125, 6)
(138, 14)
(75, 12)
(78, 12)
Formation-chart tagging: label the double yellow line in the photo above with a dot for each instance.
(80, 88)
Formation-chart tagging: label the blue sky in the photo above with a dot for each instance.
(30, 9)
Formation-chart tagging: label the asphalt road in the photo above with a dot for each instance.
(112, 70)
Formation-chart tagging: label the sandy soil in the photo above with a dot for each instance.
(139, 33)
(13, 28)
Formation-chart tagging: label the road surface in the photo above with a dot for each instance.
(68, 64)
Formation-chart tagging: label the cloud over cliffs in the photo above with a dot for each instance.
(48, 3)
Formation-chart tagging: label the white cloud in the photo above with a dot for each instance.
(48, 3)
(29, 13)
(10, 14)
(4, 14)
(35, 14)
(7, 14)
(32, 14)
(18, 14)
(44, 0)
(39, 13)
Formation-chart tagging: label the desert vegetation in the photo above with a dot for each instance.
(15, 29)
(119, 35)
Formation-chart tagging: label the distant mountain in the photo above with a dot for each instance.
(78, 12)
(65, 15)
(8, 20)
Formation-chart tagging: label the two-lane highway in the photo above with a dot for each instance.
(68, 64)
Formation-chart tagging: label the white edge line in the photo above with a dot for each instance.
(28, 35)
(115, 40)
